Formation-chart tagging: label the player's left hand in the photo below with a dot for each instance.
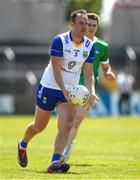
(110, 75)
(91, 100)
(94, 97)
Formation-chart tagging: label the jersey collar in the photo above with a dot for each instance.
(70, 35)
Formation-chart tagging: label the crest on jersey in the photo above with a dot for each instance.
(85, 54)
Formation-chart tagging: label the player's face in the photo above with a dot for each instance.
(92, 27)
(80, 25)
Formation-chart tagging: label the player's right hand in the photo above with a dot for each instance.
(66, 92)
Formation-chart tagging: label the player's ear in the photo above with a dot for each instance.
(72, 24)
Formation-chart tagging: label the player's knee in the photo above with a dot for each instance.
(67, 127)
(76, 123)
(80, 116)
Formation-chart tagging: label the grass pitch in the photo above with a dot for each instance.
(106, 148)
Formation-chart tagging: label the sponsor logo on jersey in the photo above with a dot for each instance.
(63, 69)
(67, 50)
(71, 64)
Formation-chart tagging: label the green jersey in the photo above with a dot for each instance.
(100, 56)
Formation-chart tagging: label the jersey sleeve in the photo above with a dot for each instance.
(56, 47)
(105, 56)
(90, 58)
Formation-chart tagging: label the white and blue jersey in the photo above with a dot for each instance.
(49, 93)
(74, 57)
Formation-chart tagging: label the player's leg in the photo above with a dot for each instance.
(45, 104)
(41, 120)
(81, 113)
(65, 114)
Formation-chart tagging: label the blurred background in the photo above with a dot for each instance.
(27, 28)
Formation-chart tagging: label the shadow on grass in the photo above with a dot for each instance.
(88, 165)
(34, 171)
(44, 172)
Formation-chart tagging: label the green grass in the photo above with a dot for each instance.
(106, 148)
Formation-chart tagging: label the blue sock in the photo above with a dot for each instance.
(23, 144)
(56, 157)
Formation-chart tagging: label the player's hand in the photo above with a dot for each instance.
(91, 100)
(66, 92)
(94, 97)
(110, 75)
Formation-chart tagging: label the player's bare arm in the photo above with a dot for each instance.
(57, 63)
(88, 71)
(107, 72)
